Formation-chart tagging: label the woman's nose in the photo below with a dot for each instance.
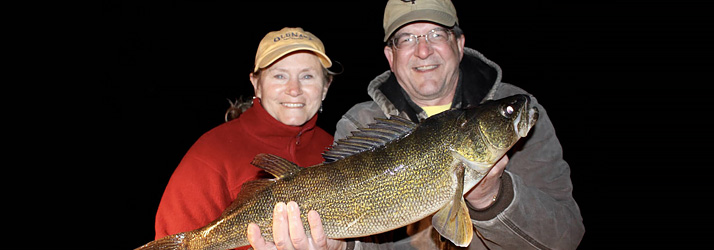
(293, 87)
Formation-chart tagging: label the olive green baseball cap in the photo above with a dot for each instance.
(401, 12)
(277, 44)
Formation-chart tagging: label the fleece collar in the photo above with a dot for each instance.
(260, 124)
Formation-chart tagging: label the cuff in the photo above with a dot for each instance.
(350, 245)
(503, 200)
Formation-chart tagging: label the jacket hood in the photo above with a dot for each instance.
(478, 78)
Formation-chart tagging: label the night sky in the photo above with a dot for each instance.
(622, 82)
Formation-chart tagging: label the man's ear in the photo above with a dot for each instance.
(389, 53)
(461, 41)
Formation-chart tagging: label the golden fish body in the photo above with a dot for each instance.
(389, 175)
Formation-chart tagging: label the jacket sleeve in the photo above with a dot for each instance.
(195, 195)
(536, 207)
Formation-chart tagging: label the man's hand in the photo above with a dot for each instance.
(289, 234)
(482, 195)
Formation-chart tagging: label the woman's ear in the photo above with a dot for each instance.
(326, 87)
(256, 85)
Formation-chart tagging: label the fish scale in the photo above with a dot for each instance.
(386, 176)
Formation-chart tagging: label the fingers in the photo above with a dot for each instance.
(297, 231)
(318, 234)
(281, 232)
(289, 232)
(256, 239)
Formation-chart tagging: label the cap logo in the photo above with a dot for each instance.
(291, 35)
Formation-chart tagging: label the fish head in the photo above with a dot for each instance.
(500, 123)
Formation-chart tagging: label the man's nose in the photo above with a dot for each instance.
(423, 49)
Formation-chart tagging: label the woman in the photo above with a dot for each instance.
(290, 79)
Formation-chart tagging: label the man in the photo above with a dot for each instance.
(526, 200)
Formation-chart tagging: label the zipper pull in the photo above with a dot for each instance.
(297, 138)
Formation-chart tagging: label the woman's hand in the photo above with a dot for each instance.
(289, 234)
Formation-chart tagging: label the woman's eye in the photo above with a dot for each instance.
(279, 77)
(307, 77)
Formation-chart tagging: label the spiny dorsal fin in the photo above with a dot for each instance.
(374, 135)
(275, 165)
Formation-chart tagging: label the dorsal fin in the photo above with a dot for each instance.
(376, 134)
(275, 165)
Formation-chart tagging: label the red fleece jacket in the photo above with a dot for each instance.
(211, 173)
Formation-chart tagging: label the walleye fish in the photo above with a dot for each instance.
(388, 175)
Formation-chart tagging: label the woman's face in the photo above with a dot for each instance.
(292, 88)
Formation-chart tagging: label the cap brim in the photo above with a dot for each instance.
(284, 50)
(434, 16)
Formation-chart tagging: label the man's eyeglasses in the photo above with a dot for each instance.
(436, 36)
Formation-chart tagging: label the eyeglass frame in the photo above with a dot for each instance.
(391, 42)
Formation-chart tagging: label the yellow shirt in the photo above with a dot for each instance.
(432, 110)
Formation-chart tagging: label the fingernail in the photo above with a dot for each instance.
(292, 206)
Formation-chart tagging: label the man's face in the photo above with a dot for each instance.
(427, 72)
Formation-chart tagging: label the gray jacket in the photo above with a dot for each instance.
(535, 207)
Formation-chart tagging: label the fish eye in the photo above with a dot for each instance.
(507, 111)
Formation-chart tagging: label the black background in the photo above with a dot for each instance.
(625, 84)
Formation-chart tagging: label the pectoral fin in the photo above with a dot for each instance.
(453, 220)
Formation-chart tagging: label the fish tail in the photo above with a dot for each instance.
(170, 242)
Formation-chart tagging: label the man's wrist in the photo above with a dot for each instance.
(503, 200)
(487, 200)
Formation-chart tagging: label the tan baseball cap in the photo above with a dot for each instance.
(401, 12)
(277, 44)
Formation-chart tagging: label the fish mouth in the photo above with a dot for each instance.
(529, 123)
(522, 125)
(532, 116)
(292, 104)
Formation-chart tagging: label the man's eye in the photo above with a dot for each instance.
(438, 36)
(405, 38)
(279, 77)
